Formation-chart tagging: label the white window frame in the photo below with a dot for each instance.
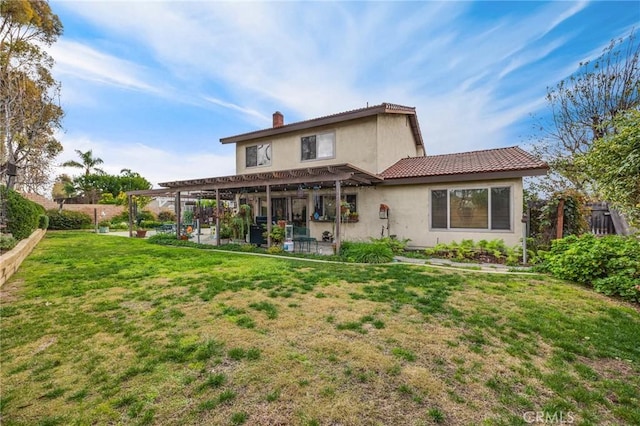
(317, 135)
(448, 190)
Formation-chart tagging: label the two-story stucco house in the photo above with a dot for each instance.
(366, 173)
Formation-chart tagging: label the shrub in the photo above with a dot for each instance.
(377, 252)
(171, 240)
(143, 215)
(66, 219)
(122, 217)
(22, 214)
(274, 250)
(277, 234)
(611, 264)
(397, 246)
(166, 216)
(150, 224)
(7, 242)
(163, 239)
(43, 221)
(484, 251)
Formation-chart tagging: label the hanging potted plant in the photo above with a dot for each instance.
(344, 208)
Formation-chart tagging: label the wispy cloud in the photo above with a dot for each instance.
(234, 107)
(565, 14)
(470, 78)
(83, 62)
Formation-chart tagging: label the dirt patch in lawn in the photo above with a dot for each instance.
(9, 291)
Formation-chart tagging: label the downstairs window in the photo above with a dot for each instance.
(476, 208)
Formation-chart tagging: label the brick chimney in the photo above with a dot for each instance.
(278, 119)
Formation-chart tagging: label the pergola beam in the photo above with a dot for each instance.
(255, 184)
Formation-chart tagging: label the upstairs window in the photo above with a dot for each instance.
(258, 155)
(318, 147)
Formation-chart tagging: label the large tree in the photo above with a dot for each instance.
(87, 162)
(95, 185)
(63, 187)
(86, 184)
(614, 164)
(29, 109)
(583, 108)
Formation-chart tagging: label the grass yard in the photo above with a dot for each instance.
(106, 330)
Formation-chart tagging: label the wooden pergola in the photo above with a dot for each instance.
(334, 175)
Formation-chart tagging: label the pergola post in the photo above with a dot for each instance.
(130, 216)
(218, 216)
(178, 216)
(269, 218)
(338, 197)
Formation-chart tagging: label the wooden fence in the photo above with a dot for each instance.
(600, 221)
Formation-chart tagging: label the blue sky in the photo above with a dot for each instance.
(153, 85)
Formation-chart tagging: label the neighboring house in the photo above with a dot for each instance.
(373, 162)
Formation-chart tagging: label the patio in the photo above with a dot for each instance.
(334, 177)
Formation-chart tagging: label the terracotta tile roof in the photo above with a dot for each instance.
(487, 161)
(384, 108)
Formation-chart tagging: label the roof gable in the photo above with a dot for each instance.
(511, 159)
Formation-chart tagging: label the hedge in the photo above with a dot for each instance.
(22, 214)
(66, 219)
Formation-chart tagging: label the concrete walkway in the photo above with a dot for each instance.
(482, 267)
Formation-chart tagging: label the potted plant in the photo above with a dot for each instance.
(103, 226)
(277, 235)
(353, 216)
(187, 233)
(240, 222)
(141, 232)
(344, 208)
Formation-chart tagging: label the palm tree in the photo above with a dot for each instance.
(88, 163)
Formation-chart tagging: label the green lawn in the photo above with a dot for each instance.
(99, 329)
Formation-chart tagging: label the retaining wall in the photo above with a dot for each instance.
(10, 261)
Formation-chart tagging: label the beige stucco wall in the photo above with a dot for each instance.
(410, 212)
(395, 140)
(350, 138)
(370, 143)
